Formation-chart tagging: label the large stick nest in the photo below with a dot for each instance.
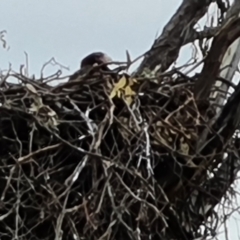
(100, 157)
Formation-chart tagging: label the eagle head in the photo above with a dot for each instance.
(96, 58)
(89, 61)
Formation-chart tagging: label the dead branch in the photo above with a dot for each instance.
(228, 33)
(177, 32)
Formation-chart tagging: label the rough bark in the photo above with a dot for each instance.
(229, 64)
(178, 31)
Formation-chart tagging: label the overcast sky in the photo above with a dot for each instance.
(70, 29)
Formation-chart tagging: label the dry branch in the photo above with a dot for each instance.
(178, 32)
(228, 33)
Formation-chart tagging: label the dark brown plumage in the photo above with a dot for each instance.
(96, 58)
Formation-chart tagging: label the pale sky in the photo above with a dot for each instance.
(70, 29)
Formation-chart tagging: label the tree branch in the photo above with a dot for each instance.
(193, 35)
(229, 63)
(166, 48)
(203, 201)
(228, 33)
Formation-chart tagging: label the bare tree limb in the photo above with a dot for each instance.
(166, 48)
(193, 35)
(229, 63)
(228, 33)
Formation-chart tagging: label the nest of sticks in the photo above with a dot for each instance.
(100, 157)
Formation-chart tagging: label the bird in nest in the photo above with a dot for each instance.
(91, 61)
(97, 63)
